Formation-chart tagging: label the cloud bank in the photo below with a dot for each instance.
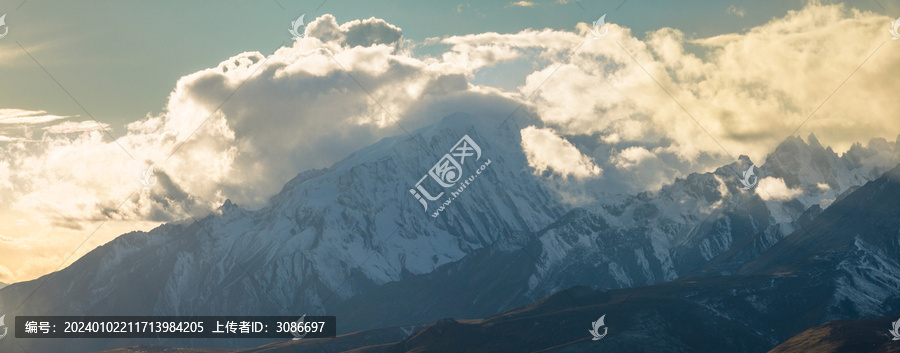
(629, 112)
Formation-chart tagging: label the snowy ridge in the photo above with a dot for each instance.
(656, 237)
(650, 238)
(822, 174)
(354, 220)
(866, 279)
(357, 220)
(332, 234)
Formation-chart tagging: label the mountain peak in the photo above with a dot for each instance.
(843, 228)
(793, 142)
(813, 141)
(742, 164)
(227, 206)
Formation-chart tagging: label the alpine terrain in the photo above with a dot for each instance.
(353, 241)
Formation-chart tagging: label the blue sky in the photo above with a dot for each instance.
(120, 59)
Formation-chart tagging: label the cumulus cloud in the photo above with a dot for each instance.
(748, 91)
(547, 151)
(603, 118)
(354, 33)
(296, 109)
(302, 107)
(770, 188)
(632, 156)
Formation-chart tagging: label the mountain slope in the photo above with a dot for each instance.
(328, 235)
(334, 239)
(559, 323)
(800, 282)
(793, 286)
(855, 222)
(703, 224)
(656, 237)
(844, 336)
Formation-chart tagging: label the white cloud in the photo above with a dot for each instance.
(547, 151)
(733, 10)
(521, 3)
(770, 188)
(632, 156)
(21, 116)
(297, 109)
(71, 126)
(749, 90)
(364, 33)
(639, 166)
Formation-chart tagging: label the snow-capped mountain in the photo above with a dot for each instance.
(841, 264)
(656, 237)
(821, 173)
(328, 235)
(354, 236)
(854, 247)
(703, 224)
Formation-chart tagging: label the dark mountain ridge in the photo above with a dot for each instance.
(351, 241)
(768, 302)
